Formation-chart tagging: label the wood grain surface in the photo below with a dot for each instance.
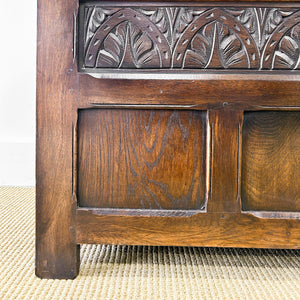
(211, 91)
(152, 159)
(271, 161)
(202, 229)
(57, 254)
(225, 164)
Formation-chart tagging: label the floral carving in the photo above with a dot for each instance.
(127, 47)
(189, 38)
(288, 54)
(226, 50)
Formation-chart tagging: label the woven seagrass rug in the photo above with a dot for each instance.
(131, 272)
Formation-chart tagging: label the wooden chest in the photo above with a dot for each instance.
(166, 123)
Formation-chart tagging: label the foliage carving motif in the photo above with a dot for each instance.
(190, 38)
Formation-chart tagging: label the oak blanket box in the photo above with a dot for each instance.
(166, 123)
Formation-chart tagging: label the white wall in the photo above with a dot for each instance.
(17, 92)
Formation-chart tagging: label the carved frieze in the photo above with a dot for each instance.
(175, 38)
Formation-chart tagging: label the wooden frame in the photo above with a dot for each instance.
(62, 92)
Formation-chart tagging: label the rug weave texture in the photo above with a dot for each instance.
(139, 272)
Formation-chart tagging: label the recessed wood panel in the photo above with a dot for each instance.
(152, 159)
(271, 161)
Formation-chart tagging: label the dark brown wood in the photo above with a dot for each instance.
(209, 230)
(271, 161)
(205, 152)
(225, 173)
(240, 92)
(57, 253)
(187, 37)
(237, 3)
(135, 159)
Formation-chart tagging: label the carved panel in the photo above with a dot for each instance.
(189, 38)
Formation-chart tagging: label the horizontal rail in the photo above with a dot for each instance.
(209, 230)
